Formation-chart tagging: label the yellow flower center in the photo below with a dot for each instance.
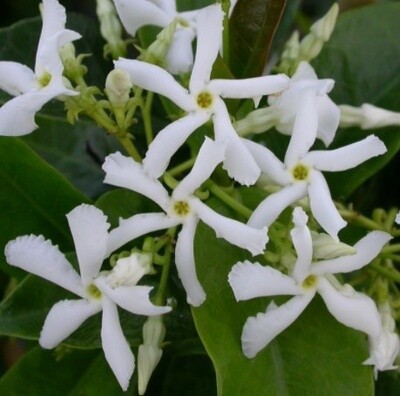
(181, 208)
(310, 282)
(300, 172)
(204, 99)
(93, 291)
(44, 79)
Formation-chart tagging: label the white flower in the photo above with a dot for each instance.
(349, 307)
(202, 102)
(35, 88)
(183, 207)
(92, 242)
(300, 173)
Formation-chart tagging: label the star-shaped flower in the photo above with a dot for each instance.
(97, 292)
(300, 173)
(202, 102)
(182, 207)
(35, 88)
(349, 307)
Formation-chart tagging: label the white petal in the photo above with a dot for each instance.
(89, 229)
(168, 141)
(169, 6)
(351, 308)
(115, 346)
(134, 299)
(304, 129)
(249, 280)
(179, 57)
(137, 226)
(16, 79)
(347, 157)
(158, 80)
(38, 256)
(63, 319)
(137, 13)
(250, 87)
(367, 249)
(272, 206)
(185, 264)
(260, 330)
(269, 163)
(302, 243)
(328, 119)
(124, 172)
(209, 39)
(322, 206)
(304, 71)
(233, 231)
(209, 156)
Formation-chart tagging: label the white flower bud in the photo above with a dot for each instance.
(118, 86)
(325, 247)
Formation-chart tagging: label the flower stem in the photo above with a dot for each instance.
(126, 141)
(146, 112)
(357, 218)
(182, 167)
(387, 273)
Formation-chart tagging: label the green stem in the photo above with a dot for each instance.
(146, 112)
(177, 170)
(391, 248)
(354, 217)
(226, 198)
(130, 148)
(387, 273)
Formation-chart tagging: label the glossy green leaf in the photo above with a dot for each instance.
(361, 57)
(252, 27)
(316, 354)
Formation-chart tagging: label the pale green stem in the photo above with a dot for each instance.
(387, 273)
(146, 112)
(177, 170)
(354, 217)
(130, 148)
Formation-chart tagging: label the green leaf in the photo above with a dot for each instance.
(359, 57)
(34, 198)
(252, 28)
(315, 354)
(73, 373)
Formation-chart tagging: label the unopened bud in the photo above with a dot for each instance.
(118, 86)
(325, 247)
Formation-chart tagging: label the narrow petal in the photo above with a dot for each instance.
(209, 39)
(367, 249)
(304, 71)
(328, 119)
(158, 80)
(169, 140)
(209, 156)
(185, 264)
(269, 163)
(134, 299)
(115, 346)
(260, 330)
(89, 229)
(169, 6)
(272, 206)
(302, 243)
(63, 319)
(250, 87)
(304, 129)
(124, 172)
(249, 280)
(137, 226)
(233, 231)
(16, 79)
(137, 13)
(347, 157)
(38, 256)
(179, 57)
(322, 206)
(351, 308)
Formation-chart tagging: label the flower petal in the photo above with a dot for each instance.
(328, 119)
(347, 157)
(249, 280)
(124, 172)
(233, 231)
(89, 229)
(38, 256)
(136, 226)
(250, 87)
(209, 156)
(16, 79)
(154, 78)
(185, 264)
(302, 243)
(134, 299)
(322, 206)
(260, 330)
(272, 206)
(351, 308)
(168, 141)
(115, 346)
(137, 13)
(367, 249)
(179, 57)
(209, 39)
(63, 319)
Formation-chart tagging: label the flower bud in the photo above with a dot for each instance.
(118, 86)
(325, 247)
